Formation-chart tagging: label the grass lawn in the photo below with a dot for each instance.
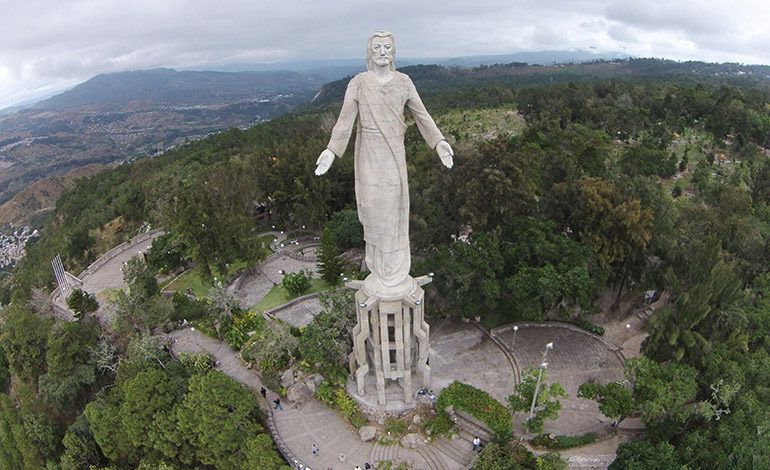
(279, 296)
(190, 279)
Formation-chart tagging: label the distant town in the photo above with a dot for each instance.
(12, 245)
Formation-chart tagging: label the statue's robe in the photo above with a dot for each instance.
(382, 191)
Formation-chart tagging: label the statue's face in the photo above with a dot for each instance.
(382, 51)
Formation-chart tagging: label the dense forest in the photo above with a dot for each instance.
(567, 186)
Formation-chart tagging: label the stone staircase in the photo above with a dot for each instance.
(382, 453)
(456, 453)
(431, 457)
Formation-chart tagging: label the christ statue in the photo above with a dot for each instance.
(378, 97)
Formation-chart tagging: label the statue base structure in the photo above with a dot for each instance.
(390, 339)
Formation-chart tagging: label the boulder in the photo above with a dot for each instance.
(299, 394)
(367, 433)
(412, 441)
(287, 378)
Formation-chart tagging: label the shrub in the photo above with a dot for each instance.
(587, 325)
(392, 431)
(440, 425)
(188, 309)
(196, 363)
(337, 398)
(563, 442)
(296, 283)
(244, 322)
(479, 404)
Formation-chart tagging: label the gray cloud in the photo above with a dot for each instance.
(50, 43)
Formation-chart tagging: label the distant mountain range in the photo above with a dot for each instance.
(124, 115)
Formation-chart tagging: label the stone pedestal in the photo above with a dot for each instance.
(391, 340)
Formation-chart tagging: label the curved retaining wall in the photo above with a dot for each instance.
(117, 250)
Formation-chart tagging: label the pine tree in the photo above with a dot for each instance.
(329, 262)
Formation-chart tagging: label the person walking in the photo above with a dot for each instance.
(277, 402)
(315, 449)
(477, 444)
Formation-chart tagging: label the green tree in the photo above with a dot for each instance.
(617, 228)
(325, 343)
(217, 416)
(17, 450)
(259, 452)
(329, 263)
(644, 455)
(147, 412)
(71, 366)
(469, 279)
(80, 449)
(81, 303)
(615, 400)
(140, 278)
(707, 290)
(663, 392)
(5, 373)
(296, 283)
(547, 405)
(23, 337)
(167, 253)
(108, 431)
(344, 230)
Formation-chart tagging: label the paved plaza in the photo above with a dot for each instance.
(577, 357)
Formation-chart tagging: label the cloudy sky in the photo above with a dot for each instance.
(48, 45)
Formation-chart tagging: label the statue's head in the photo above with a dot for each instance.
(381, 50)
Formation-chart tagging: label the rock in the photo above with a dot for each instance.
(314, 381)
(367, 433)
(299, 394)
(416, 419)
(412, 441)
(287, 378)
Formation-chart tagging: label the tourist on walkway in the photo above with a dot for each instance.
(315, 449)
(277, 402)
(263, 392)
(477, 444)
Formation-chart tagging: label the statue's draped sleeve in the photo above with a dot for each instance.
(425, 123)
(344, 126)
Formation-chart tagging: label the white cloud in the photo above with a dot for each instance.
(45, 42)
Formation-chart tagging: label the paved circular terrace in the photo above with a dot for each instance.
(577, 357)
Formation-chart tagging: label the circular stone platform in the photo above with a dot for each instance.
(577, 357)
(458, 351)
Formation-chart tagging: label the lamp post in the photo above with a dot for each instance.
(548, 347)
(542, 368)
(515, 329)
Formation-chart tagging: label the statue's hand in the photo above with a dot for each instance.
(445, 152)
(324, 162)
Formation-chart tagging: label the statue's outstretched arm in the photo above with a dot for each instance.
(428, 128)
(342, 130)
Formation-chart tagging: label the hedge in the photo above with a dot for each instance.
(479, 404)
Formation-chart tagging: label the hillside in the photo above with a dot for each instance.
(34, 202)
(123, 115)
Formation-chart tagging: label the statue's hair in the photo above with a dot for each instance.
(379, 34)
